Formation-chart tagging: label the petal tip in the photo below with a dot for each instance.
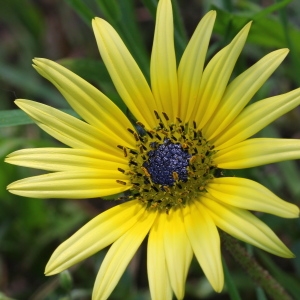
(7, 158)
(218, 289)
(281, 52)
(10, 186)
(18, 101)
(289, 254)
(285, 51)
(49, 272)
(52, 267)
(39, 60)
(21, 102)
(97, 21)
(36, 59)
(212, 13)
(247, 26)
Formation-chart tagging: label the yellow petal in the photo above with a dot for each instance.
(248, 194)
(205, 241)
(66, 159)
(215, 78)
(97, 234)
(240, 91)
(257, 152)
(125, 73)
(244, 226)
(255, 117)
(191, 66)
(163, 68)
(178, 251)
(71, 184)
(159, 283)
(93, 106)
(119, 256)
(67, 129)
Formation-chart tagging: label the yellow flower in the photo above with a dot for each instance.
(191, 125)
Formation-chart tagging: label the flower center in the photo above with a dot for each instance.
(165, 160)
(171, 164)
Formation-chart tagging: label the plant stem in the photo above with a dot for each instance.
(261, 276)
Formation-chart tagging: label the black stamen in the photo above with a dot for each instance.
(133, 152)
(166, 116)
(150, 134)
(158, 136)
(141, 149)
(130, 130)
(155, 188)
(121, 182)
(140, 123)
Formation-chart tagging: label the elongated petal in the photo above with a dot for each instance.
(66, 159)
(191, 66)
(97, 234)
(248, 194)
(178, 251)
(71, 184)
(240, 91)
(255, 117)
(163, 68)
(119, 256)
(205, 241)
(246, 227)
(87, 101)
(215, 78)
(257, 152)
(159, 283)
(67, 129)
(125, 73)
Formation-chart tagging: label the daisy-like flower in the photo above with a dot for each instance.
(191, 124)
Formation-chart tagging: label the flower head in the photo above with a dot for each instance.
(191, 125)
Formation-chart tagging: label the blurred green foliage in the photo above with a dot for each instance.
(30, 229)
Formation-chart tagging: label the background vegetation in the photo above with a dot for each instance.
(30, 229)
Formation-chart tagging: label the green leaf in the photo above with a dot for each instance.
(29, 16)
(272, 8)
(265, 31)
(89, 69)
(110, 9)
(231, 288)
(83, 10)
(29, 82)
(18, 117)
(260, 294)
(151, 5)
(295, 66)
